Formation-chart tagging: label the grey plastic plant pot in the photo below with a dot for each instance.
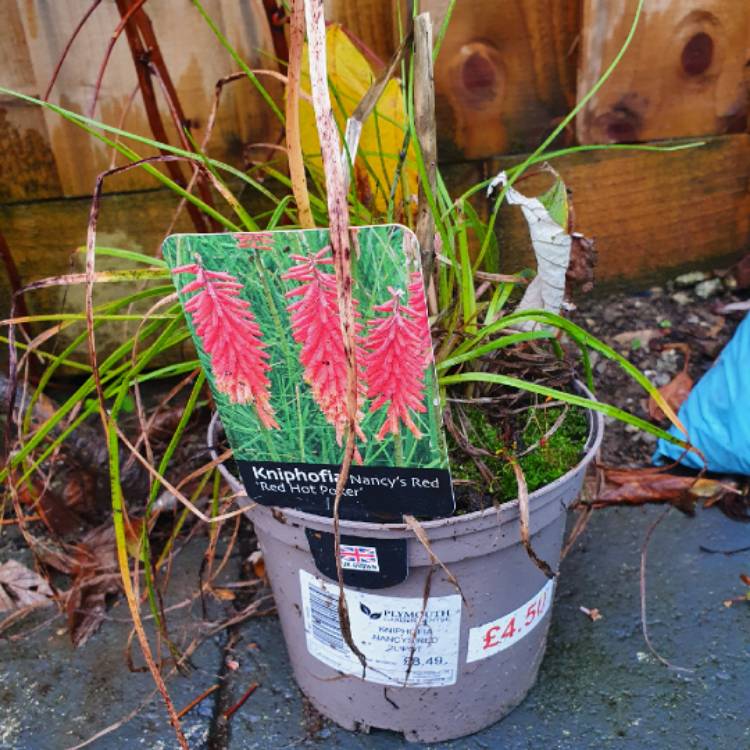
(480, 666)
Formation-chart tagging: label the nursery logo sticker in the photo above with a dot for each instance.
(263, 311)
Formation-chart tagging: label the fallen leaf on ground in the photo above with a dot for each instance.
(57, 515)
(592, 614)
(95, 577)
(641, 338)
(641, 486)
(21, 587)
(716, 324)
(258, 564)
(92, 565)
(745, 578)
(674, 392)
(225, 595)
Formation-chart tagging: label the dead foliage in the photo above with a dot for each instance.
(525, 523)
(95, 577)
(21, 587)
(643, 337)
(583, 258)
(676, 391)
(682, 490)
(592, 614)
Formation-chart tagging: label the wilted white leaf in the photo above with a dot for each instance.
(547, 217)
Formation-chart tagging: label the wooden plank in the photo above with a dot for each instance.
(27, 168)
(683, 74)
(649, 213)
(193, 55)
(371, 21)
(505, 74)
(43, 237)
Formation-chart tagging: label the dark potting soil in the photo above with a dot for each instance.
(643, 326)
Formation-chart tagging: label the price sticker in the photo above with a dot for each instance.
(497, 635)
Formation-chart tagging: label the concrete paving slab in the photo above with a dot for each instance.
(53, 696)
(598, 686)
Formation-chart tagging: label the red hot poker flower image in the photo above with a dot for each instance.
(316, 327)
(395, 364)
(232, 339)
(254, 241)
(418, 303)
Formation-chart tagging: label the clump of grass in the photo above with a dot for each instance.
(556, 451)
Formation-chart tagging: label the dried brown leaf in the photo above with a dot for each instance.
(21, 587)
(717, 323)
(95, 578)
(734, 504)
(524, 521)
(338, 213)
(258, 564)
(641, 486)
(675, 392)
(582, 262)
(424, 540)
(642, 337)
(53, 509)
(592, 614)
(225, 595)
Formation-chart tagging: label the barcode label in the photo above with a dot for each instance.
(405, 642)
(324, 619)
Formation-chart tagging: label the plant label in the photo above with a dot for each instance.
(406, 641)
(263, 311)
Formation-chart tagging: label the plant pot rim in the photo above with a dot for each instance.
(363, 528)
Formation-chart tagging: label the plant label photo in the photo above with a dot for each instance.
(263, 311)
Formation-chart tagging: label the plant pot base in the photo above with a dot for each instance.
(439, 729)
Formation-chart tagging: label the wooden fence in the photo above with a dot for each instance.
(508, 71)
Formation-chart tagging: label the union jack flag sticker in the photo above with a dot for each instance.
(354, 557)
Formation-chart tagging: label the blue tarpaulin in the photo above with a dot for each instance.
(716, 414)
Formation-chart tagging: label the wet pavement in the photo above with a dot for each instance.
(598, 686)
